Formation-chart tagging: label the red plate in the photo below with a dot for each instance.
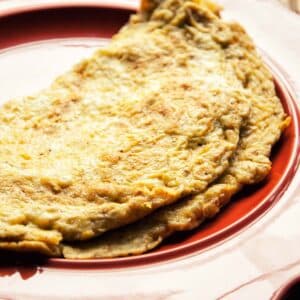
(50, 25)
(289, 290)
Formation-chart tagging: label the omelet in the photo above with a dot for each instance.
(250, 162)
(151, 119)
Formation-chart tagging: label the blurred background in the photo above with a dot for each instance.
(292, 4)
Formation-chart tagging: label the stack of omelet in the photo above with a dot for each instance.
(150, 136)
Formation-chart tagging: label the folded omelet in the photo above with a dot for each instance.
(150, 119)
(157, 130)
(250, 162)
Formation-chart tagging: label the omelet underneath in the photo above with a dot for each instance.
(250, 162)
(151, 119)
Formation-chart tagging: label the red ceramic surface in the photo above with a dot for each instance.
(102, 21)
(289, 291)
